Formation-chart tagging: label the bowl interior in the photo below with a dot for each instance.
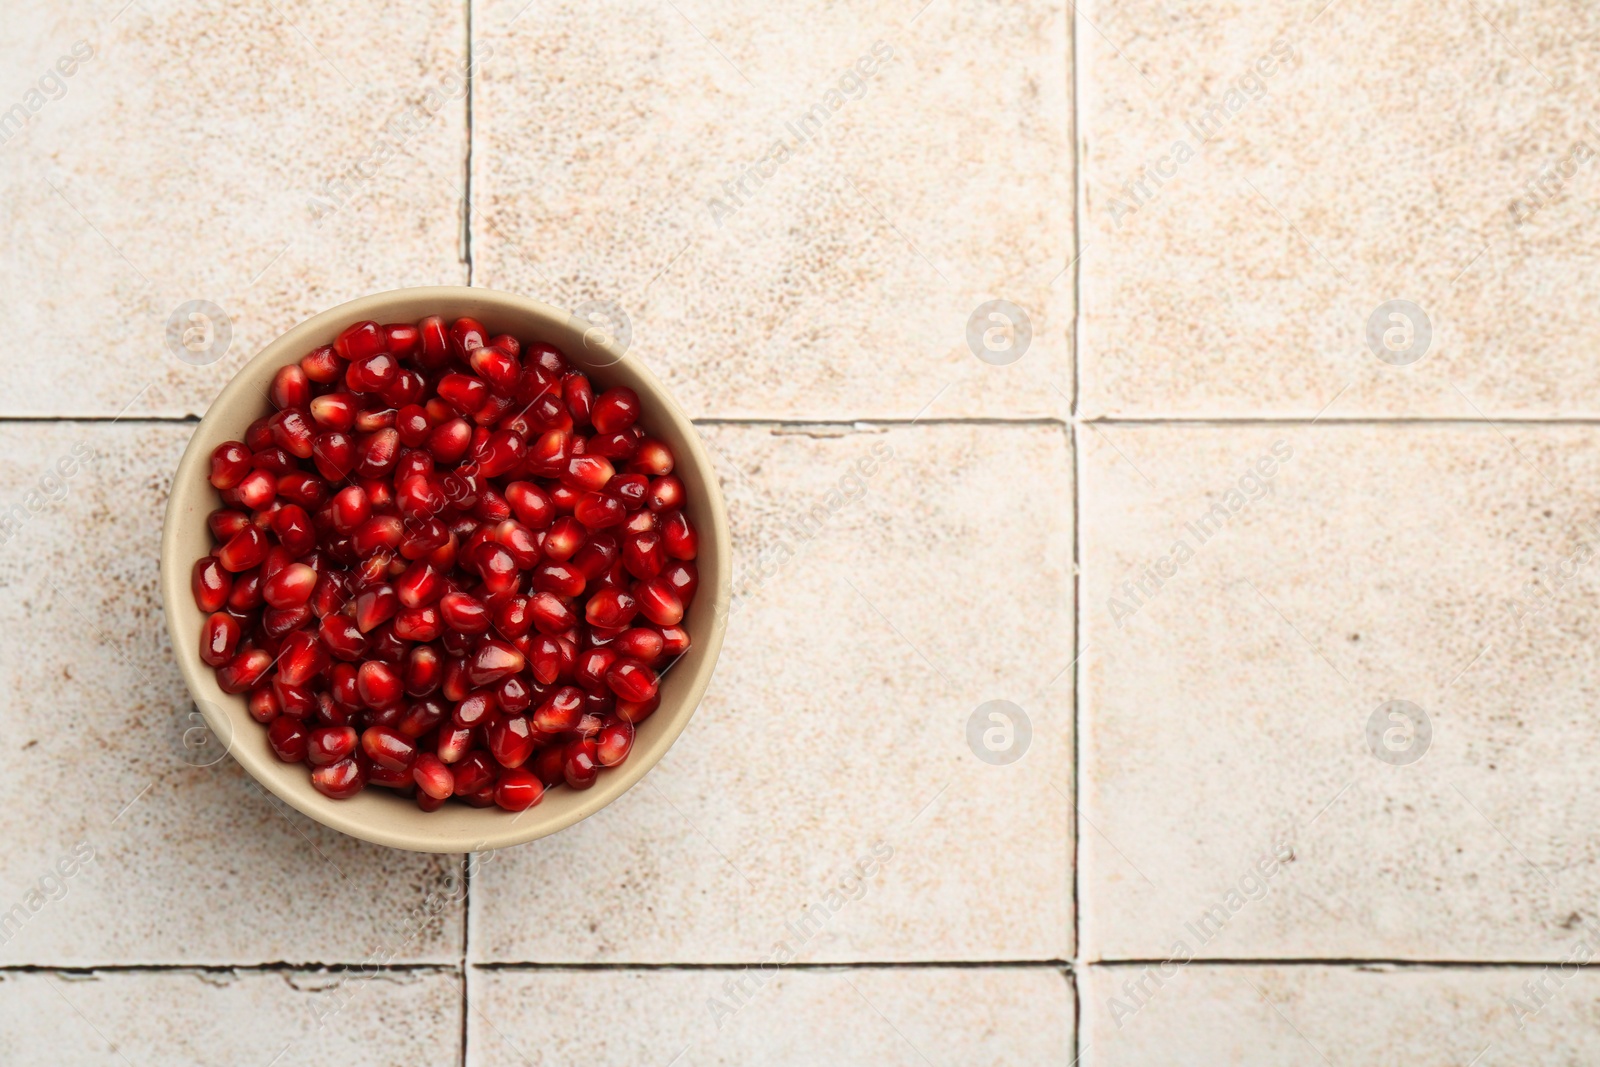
(375, 814)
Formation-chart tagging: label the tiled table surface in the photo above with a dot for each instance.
(1228, 506)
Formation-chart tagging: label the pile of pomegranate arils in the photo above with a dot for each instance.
(446, 566)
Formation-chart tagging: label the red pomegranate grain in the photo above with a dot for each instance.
(448, 564)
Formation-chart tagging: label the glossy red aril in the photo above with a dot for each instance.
(631, 680)
(211, 584)
(340, 781)
(219, 639)
(615, 410)
(288, 739)
(613, 743)
(388, 748)
(518, 790)
(329, 744)
(511, 740)
(578, 763)
(432, 776)
(230, 462)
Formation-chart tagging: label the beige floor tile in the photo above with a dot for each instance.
(1241, 710)
(609, 151)
(877, 1016)
(121, 847)
(225, 1018)
(272, 159)
(878, 608)
(1262, 178)
(1253, 1016)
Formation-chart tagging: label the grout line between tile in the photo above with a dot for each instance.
(1066, 966)
(1075, 763)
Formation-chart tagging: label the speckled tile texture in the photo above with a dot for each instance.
(124, 843)
(1262, 178)
(272, 160)
(1253, 1016)
(797, 208)
(1338, 691)
(867, 1017)
(888, 583)
(290, 1018)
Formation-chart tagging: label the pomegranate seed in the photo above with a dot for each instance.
(288, 739)
(564, 538)
(578, 764)
(230, 462)
(658, 603)
(375, 606)
(264, 705)
(512, 695)
(401, 338)
(342, 637)
(322, 365)
(301, 658)
(665, 494)
(493, 661)
(359, 341)
(560, 711)
(678, 536)
(254, 491)
(612, 607)
(454, 743)
(290, 587)
(419, 585)
(293, 431)
(652, 458)
(518, 790)
(388, 748)
(291, 388)
(245, 595)
(551, 615)
(464, 613)
(334, 453)
(219, 639)
(432, 776)
(683, 577)
(244, 550)
(628, 711)
(613, 743)
(511, 741)
(379, 684)
(211, 584)
(600, 510)
(340, 780)
(588, 473)
(644, 555)
(631, 680)
(329, 744)
(590, 669)
(642, 643)
(615, 410)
